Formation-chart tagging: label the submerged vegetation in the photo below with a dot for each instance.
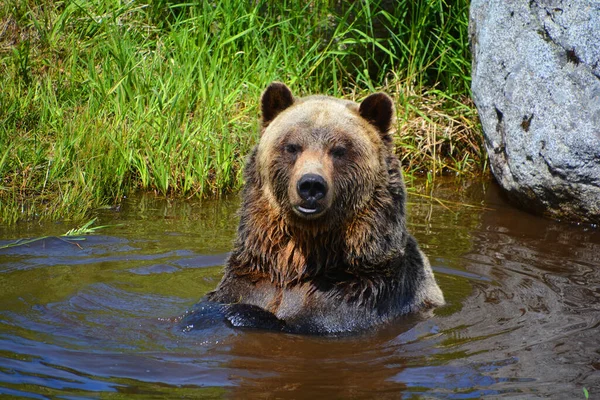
(100, 98)
(72, 236)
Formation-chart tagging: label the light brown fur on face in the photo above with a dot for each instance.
(322, 244)
(319, 126)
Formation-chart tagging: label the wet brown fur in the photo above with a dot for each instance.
(356, 265)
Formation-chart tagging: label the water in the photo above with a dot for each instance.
(97, 318)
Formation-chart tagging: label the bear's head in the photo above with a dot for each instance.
(321, 159)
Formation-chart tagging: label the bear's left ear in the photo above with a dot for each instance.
(378, 109)
(276, 98)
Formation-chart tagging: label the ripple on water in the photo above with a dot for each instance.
(102, 317)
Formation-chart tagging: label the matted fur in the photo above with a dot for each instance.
(355, 265)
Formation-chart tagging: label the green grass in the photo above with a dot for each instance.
(101, 98)
(71, 236)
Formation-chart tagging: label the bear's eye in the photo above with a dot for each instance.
(338, 151)
(292, 149)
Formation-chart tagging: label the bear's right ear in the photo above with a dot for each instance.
(276, 98)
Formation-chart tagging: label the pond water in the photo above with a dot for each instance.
(98, 318)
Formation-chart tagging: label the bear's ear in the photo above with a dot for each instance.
(276, 98)
(378, 109)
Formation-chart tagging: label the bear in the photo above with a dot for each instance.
(322, 245)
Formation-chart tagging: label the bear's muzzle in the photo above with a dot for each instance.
(311, 188)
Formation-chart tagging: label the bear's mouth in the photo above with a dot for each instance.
(308, 210)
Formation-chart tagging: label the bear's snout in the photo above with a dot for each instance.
(311, 192)
(312, 187)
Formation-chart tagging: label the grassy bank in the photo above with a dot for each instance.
(105, 97)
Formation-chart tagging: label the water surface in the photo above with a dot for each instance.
(98, 318)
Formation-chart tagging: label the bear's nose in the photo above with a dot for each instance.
(312, 187)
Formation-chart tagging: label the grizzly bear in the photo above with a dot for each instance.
(322, 245)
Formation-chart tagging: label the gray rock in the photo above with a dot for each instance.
(536, 85)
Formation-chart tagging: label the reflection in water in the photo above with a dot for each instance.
(101, 320)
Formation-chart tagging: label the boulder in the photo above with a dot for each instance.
(536, 85)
